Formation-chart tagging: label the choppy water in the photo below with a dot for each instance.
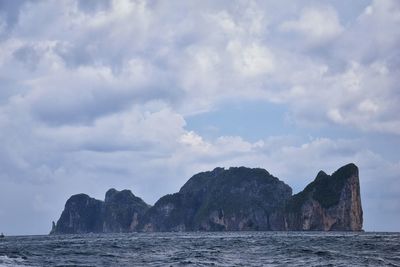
(204, 249)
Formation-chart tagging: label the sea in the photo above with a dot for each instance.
(204, 249)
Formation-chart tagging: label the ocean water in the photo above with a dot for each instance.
(204, 249)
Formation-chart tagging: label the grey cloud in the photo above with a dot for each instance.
(10, 10)
(94, 5)
(28, 56)
(75, 56)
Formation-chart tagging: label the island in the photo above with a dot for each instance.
(234, 199)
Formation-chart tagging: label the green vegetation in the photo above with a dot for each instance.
(237, 190)
(325, 189)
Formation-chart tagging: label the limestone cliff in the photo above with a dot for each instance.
(329, 203)
(222, 200)
(120, 212)
(233, 199)
(82, 214)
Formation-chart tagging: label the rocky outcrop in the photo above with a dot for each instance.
(329, 203)
(233, 199)
(230, 200)
(82, 214)
(120, 212)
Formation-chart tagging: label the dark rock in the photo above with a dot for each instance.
(120, 212)
(234, 199)
(82, 214)
(53, 228)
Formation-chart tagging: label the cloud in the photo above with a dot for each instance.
(374, 36)
(9, 14)
(94, 5)
(363, 97)
(240, 55)
(316, 24)
(252, 59)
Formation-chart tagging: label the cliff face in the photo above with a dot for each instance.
(82, 214)
(328, 203)
(233, 199)
(120, 212)
(225, 200)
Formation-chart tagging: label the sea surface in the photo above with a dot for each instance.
(204, 249)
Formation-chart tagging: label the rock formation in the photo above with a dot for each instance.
(120, 212)
(82, 214)
(231, 199)
(328, 203)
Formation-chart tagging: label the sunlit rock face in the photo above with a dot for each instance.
(329, 203)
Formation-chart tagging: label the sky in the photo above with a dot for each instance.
(141, 95)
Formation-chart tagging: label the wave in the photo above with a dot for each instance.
(6, 261)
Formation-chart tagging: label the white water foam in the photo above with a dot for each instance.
(11, 262)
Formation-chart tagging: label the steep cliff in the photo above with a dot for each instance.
(120, 212)
(329, 203)
(233, 199)
(82, 214)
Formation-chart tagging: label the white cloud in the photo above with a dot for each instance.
(317, 24)
(368, 106)
(252, 59)
(195, 141)
(374, 35)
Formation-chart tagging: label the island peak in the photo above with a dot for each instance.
(233, 199)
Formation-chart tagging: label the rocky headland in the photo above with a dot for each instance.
(233, 199)
(329, 203)
(120, 212)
